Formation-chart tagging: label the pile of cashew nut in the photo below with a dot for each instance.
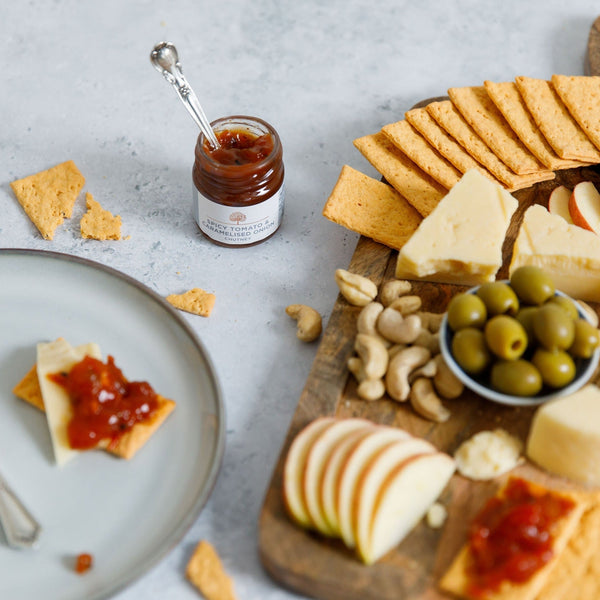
(397, 347)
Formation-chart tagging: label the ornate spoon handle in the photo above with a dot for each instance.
(20, 528)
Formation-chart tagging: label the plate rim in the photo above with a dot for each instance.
(183, 526)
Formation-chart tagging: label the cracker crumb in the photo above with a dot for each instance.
(98, 223)
(205, 571)
(195, 301)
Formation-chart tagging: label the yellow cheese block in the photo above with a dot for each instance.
(461, 240)
(570, 254)
(565, 436)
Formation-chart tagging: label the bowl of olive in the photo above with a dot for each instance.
(520, 342)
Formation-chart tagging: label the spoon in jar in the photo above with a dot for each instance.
(20, 527)
(165, 59)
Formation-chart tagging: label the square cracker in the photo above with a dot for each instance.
(420, 190)
(405, 137)
(456, 579)
(98, 223)
(371, 208)
(205, 571)
(510, 103)
(555, 122)
(447, 146)
(28, 389)
(48, 197)
(195, 301)
(581, 95)
(450, 119)
(483, 116)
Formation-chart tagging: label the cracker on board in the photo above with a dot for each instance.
(510, 103)
(195, 301)
(555, 122)
(48, 197)
(206, 572)
(98, 223)
(456, 579)
(28, 389)
(581, 96)
(405, 137)
(420, 190)
(446, 145)
(448, 117)
(371, 208)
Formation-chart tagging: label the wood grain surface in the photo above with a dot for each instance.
(325, 569)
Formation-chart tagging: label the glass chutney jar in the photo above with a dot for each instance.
(239, 187)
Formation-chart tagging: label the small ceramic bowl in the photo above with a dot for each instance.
(584, 370)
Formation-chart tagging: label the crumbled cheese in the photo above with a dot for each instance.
(436, 515)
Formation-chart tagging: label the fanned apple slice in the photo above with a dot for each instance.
(320, 451)
(403, 499)
(558, 203)
(373, 478)
(356, 461)
(293, 470)
(584, 206)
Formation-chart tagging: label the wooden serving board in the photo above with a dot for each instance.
(324, 568)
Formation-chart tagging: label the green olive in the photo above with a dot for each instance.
(466, 310)
(525, 317)
(553, 328)
(532, 285)
(566, 304)
(556, 367)
(586, 340)
(470, 350)
(516, 377)
(499, 298)
(505, 337)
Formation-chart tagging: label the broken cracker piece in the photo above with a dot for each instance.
(48, 197)
(98, 223)
(205, 571)
(195, 301)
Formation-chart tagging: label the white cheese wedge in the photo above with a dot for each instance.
(54, 357)
(565, 436)
(461, 240)
(570, 254)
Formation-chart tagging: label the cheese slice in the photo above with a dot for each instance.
(54, 357)
(570, 254)
(565, 436)
(461, 240)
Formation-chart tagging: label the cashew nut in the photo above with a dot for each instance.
(446, 383)
(425, 401)
(393, 350)
(429, 369)
(371, 389)
(356, 367)
(400, 367)
(397, 329)
(309, 321)
(431, 341)
(431, 321)
(373, 354)
(367, 321)
(358, 290)
(393, 289)
(407, 305)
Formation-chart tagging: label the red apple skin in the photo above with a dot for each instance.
(576, 216)
(585, 196)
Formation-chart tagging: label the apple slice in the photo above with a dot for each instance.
(316, 461)
(372, 479)
(357, 460)
(293, 470)
(404, 498)
(584, 206)
(558, 203)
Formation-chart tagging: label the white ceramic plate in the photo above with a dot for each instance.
(128, 514)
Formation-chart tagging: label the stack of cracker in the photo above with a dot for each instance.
(515, 133)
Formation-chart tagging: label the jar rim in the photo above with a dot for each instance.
(242, 120)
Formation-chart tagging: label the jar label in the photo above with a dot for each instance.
(241, 225)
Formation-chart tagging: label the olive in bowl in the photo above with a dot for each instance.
(520, 344)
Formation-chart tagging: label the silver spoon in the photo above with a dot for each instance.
(165, 59)
(20, 527)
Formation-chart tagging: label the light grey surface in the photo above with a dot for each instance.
(77, 84)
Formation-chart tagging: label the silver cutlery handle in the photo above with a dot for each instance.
(20, 527)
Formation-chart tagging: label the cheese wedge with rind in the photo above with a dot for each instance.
(570, 254)
(54, 357)
(461, 240)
